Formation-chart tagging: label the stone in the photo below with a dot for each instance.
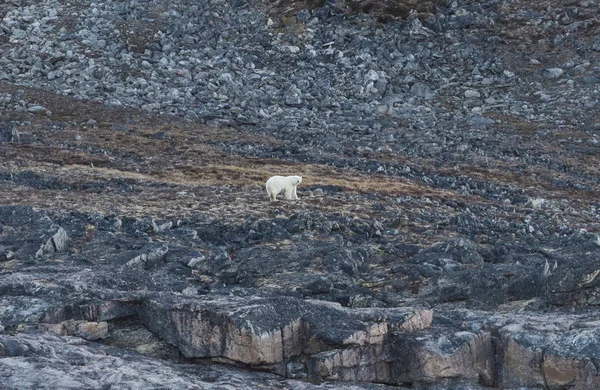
(84, 329)
(36, 109)
(461, 250)
(154, 255)
(552, 73)
(472, 94)
(195, 261)
(480, 120)
(9, 133)
(429, 359)
(293, 97)
(596, 44)
(422, 91)
(303, 15)
(553, 360)
(56, 243)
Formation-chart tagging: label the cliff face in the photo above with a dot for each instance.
(446, 234)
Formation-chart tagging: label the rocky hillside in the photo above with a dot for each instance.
(447, 233)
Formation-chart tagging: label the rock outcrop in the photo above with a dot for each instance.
(46, 361)
(289, 335)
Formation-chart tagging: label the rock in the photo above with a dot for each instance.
(293, 96)
(37, 360)
(36, 109)
(539, 356)
(596, 44)
(422, 91)
(431, 357)
(195, 261)
(154, 255)
(84, 329)
(165, 226)
(461, 251)
(190, 291)
(270, 332)
(57, 243)
(303, 15)
(574, 283)
(552, 73)
(9, 133)
(142, 225)
(591, 80)
(471, 94)
(479, 120)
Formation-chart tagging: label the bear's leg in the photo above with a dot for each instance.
(289, 194)
(272, 195)
(294, 194)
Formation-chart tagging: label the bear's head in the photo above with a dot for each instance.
(298, 179)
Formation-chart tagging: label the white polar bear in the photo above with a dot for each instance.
(287, 184)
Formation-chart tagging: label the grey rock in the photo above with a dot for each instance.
(85, 329)
(146, 259)
(303, 15)
(9, 133)
(423, 91)
(56, 243)
(552, 73)
(462, 251)
(273, 332)
(591, 80)
(472, 94)
(50, 361)
(36, 109)
(479, 120)
(430, 358)
(548, 359)
(195, 261)
(269, 332)
(293, 96)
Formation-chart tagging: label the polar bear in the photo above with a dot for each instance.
(287, 184)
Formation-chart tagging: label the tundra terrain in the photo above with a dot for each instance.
(447, 233)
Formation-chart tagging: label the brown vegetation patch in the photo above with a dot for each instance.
(384, 10)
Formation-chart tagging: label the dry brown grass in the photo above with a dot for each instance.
(383, 9)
